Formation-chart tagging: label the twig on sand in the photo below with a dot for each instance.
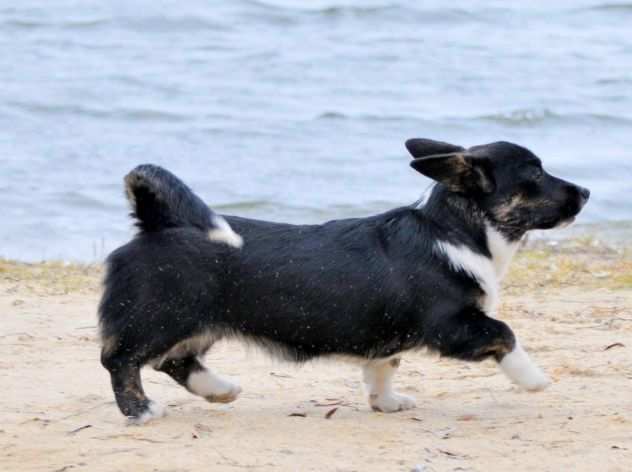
(153, 441)
(64, 468)
(454, 455)
(282, 376)
(330, 413)
(332, 402)
(613, 345)
(76, 430)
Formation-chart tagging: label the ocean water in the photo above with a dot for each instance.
(295, 110)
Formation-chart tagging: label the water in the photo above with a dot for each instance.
(294, 111)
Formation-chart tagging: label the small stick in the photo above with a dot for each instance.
(75, 431)
(614, 345)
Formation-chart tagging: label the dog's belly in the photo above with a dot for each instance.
(315, 327)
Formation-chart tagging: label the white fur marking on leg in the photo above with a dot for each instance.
(518, 367)
(224, 233)
(378, 377)
(154, 410)
(215, 389)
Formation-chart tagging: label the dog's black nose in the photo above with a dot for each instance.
(584, 193)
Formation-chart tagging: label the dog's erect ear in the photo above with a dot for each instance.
(459, 171)
(427, 147)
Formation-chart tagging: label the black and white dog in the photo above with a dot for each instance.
(420, 276)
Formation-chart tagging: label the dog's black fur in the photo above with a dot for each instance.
(366, 287)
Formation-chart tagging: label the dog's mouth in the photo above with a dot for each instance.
(561, 221)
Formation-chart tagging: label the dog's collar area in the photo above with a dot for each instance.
(464, 257)
(501, 249)
(457, 220)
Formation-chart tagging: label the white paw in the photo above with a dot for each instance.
(536, 381)
(391, 402)
(538, 384)
(229, 395)
(213, 388)
(521, 370)
(153, 411)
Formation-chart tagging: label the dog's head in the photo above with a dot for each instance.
(506, 181)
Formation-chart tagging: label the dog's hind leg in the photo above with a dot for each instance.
(128, 389)
(378, 377)
(196, 378)
(471, 335)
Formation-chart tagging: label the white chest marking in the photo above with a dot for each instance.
(488, 272)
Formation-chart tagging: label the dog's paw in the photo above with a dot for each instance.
(391, 402)
(535, 381)
(521, 370)
(153, 411)
(230, 395)
(213, 388)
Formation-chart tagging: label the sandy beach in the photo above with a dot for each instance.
(570, 305)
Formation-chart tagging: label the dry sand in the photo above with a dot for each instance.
(572, 308)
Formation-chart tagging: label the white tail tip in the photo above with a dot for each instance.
(223, 233)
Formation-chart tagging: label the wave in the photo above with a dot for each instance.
(521, 117)
(78, 199)
(142, 23)
(332, 115)
(337, 115)
(138, 114)
(19, 23)
(309, 7)
(244, 205)
(610, 7)
(185, 23)
(614, 81)
(534, 117)
(334, 10)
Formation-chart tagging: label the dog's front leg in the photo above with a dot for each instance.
(378, 376)
(471, 335)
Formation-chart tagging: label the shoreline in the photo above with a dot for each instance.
(614, 234)
(562, 261)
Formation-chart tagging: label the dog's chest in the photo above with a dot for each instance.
(488, 272)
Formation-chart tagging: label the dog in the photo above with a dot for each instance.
(425, 275)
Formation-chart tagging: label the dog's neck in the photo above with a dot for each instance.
(462, 224)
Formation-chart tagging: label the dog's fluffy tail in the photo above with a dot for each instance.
(160, 200)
